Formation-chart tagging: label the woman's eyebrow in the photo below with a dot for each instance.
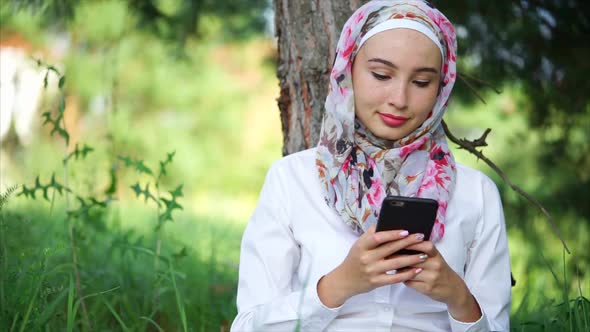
(392, 65)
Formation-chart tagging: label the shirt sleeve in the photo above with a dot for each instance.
(269, 258)
(487, 272)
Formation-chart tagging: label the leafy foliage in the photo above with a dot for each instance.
(6, 195)
(57, 122)
(83, 211)
(169, 204)
(173, 20)
(79, 153)
(30, 192)
(138, 165)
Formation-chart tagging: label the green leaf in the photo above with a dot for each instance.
(53, 184)
(163, 164)
(57, 128)
(177, 192)
(144, 192)
(137, 189)
(171, 204)
(82, 153)
(137, 164)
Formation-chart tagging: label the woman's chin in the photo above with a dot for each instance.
(390, 134)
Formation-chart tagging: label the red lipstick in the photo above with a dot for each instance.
(392, 120)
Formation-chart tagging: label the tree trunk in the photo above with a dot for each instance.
(307, 32)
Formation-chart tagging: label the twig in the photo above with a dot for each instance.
(471, 147)
(480, 81)
(472, 88)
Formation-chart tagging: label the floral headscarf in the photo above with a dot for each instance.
(357, 169)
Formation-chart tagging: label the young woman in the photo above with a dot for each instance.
(310, 255)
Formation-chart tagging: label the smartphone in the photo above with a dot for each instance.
(416, 215)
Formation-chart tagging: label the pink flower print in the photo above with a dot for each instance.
(359, 17)
(343, 91)
(440, 179)
(445, 26)
(442, 208)
(428, 181)
(407, 149)
(439, 156)
(453, 57)
(438, 231)
(346, 164)
(375, 194)
(348, 44)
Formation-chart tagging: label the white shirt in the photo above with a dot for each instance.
(293, 239)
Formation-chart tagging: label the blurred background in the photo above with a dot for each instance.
(167, 97)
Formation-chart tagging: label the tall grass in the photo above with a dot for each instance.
(197, 289)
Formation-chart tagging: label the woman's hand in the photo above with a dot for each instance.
(438, 281)
(366, 266)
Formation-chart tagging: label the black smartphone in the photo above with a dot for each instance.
(416, 215)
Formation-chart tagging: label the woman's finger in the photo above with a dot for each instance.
(418, 285)
(400, 262)
(398, 277)
(426, 247)
(388, 249)
(372, 239)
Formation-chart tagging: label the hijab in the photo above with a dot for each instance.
(358, 169)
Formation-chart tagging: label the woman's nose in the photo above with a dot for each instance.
(399, 96)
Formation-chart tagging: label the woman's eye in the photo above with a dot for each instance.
(422, 84)
(380, 77)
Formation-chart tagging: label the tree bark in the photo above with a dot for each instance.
(307, 33)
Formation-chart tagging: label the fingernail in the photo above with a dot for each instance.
(418, 270)
(404, 233)
(423, 256)
(420, 236)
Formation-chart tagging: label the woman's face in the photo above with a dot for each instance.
(395, 77)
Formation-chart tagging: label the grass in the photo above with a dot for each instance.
(195, 292)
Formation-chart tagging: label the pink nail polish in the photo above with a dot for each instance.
(419, 236)
(418, 270)
(404, 233)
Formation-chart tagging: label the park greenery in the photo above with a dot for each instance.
(130, 217)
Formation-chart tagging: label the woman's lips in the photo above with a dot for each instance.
(392, 120)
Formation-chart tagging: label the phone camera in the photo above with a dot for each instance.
(397, 203)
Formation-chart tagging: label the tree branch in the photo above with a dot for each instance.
(471, 147)
(464, 76)
(471, 87)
